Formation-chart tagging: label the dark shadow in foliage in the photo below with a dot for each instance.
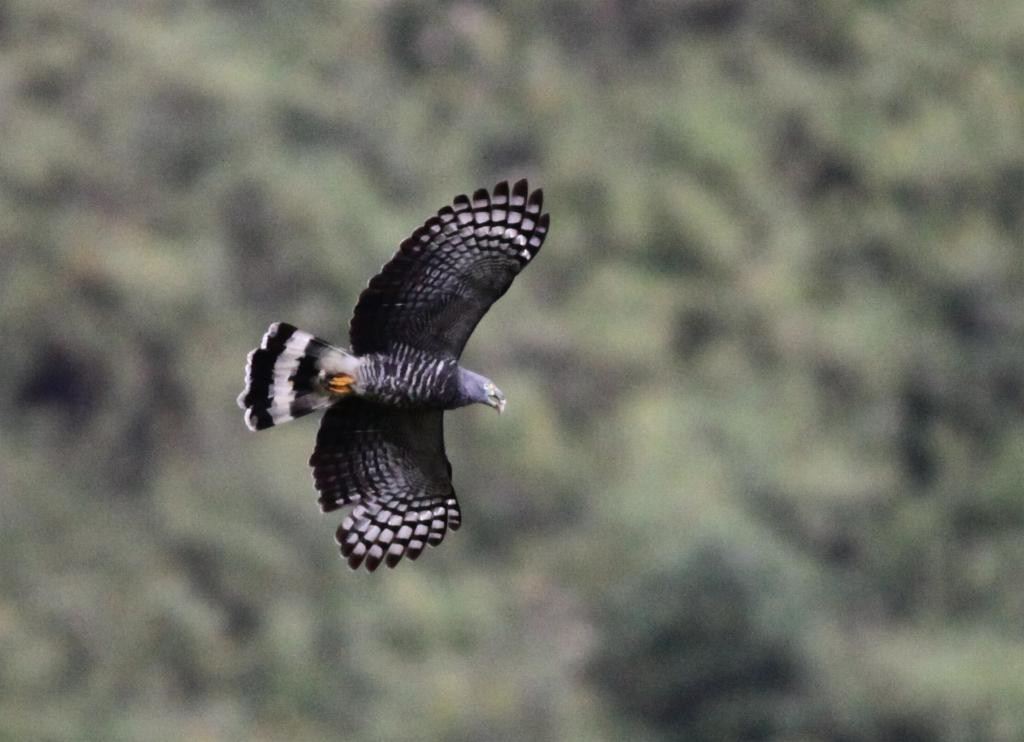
(47, 85)
(180, 139)
(814, 168)
(919, 409)
(906, 729)
(423, 40)
(304, 126)
(687, 651)
(205, 569)
(66, 379)
(967, 310)
(835, 539)
(404, 23)
(253, 8)
(250, 229)
(695, 329)
(809, 31)
(154, 422)
(650, 24)
(509, 152)
(1008, 202)
(638, 29)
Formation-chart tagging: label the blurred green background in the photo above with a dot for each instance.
(761, 473)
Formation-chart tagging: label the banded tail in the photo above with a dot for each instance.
(291, 374)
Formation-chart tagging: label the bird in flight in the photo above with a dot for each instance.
(380, 447)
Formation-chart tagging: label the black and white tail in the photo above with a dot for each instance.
(283, 377)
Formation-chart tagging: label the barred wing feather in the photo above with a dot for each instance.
(445, 277)
(391, 465)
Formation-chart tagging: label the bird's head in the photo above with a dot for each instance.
(479, 389)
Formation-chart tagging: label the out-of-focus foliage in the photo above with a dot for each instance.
(761, 476)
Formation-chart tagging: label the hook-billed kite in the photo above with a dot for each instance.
(381, 442)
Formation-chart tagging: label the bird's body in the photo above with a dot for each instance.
(409, 377)
(381, 442)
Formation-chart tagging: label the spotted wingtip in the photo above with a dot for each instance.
(375, 534)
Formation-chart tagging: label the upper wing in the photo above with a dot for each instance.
(445, 277)
(389, 463)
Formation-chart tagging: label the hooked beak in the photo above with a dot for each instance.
(496, 400)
